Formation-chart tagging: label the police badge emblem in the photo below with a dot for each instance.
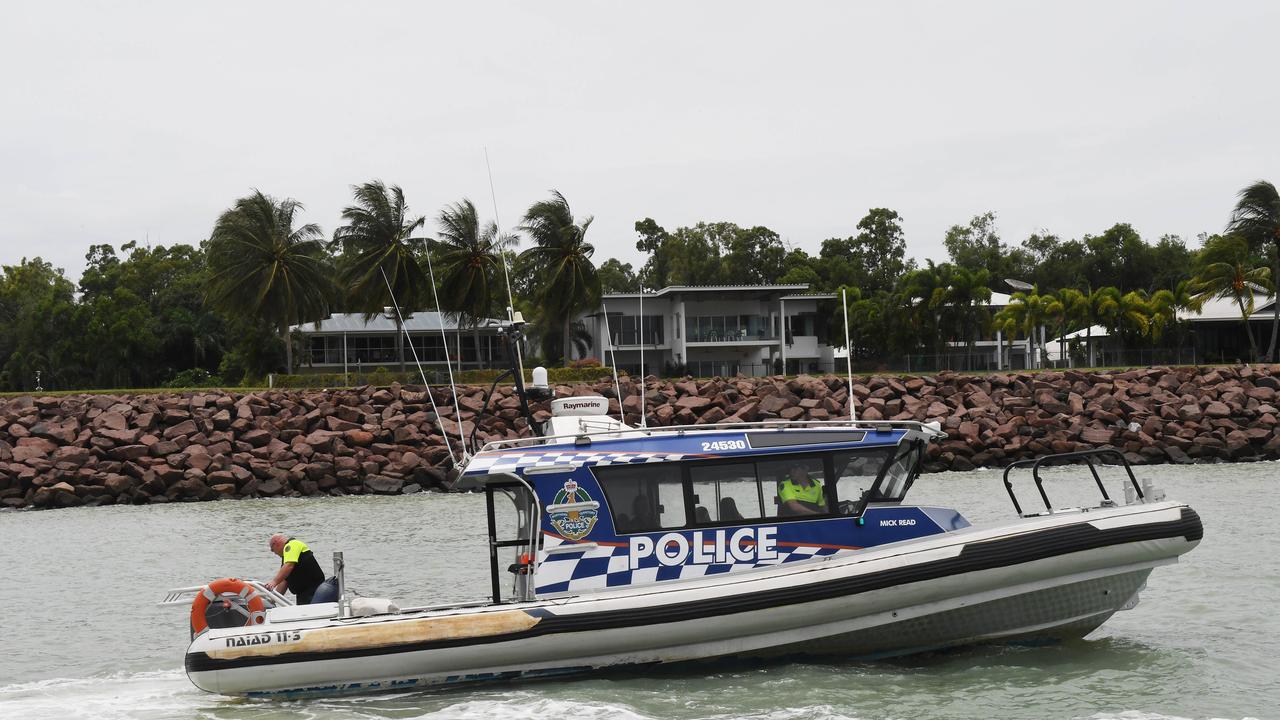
(573, 512)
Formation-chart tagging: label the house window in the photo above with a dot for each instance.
(627, 329)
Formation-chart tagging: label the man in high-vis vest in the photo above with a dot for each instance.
(300, 573)
(798, 494)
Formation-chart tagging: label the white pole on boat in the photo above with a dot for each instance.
(640, 324)
(448, 364)
(613, 355)
(430, 395)
(848, 351)
(506, 271)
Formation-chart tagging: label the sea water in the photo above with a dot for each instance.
(81, 635)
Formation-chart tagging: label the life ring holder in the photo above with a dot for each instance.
(256, 614)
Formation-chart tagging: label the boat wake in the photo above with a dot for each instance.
(165, 694)
(145, 695)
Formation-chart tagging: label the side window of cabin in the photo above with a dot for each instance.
(725, 493)
(856, 472)
(643, 498)
(898, 477)
(793, 486)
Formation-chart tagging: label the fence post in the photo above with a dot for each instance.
(271, 380)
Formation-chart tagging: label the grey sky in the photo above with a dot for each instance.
(128, 120)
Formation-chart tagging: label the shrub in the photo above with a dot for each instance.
(194, 378)
(587, 362)
(436, 378)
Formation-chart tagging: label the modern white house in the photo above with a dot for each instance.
(712, 330)
(347, 342)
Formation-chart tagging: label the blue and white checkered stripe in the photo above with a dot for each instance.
(509, 463)
(606, 567)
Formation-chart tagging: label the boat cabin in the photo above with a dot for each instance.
(599, 505)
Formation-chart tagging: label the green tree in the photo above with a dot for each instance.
(977, 246)
(1165, 304)
(798, 267)
(379, 261)
(617, 276)
(968, 297)
(1077, 314)
(924, 291)
(560, 260)
(1256, 218)
(41, 329)
(470, 262)
(1118, 257)
(874, 259)
(170, 329)
(719, 253)
(1028, 312)
(263, 267)
(877, 325)
(1224, 269)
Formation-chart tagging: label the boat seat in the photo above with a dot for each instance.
(701, 514)
(729, 509)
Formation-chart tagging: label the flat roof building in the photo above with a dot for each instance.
(347, 342)
(712, 330)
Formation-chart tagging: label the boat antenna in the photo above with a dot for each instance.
(506, 271)
(613, 359)
(643, 403)
(848, 351)
(405, 331)
(457, 409)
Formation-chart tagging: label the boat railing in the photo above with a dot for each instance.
(931, 430)
(1089, 457)
(184, 595)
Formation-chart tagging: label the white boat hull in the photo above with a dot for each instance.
(1048, 578)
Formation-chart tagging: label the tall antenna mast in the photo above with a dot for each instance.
(506, 271)
(405, 331)
(643, 385)
(613, 355)
(457, 410)
(848, 350)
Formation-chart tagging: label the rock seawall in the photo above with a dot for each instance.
(210, 444)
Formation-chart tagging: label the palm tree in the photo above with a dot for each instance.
(1076, 314)
(1006, 323)
(470, 262)
(924, 292)
(967, 295)
(560, 261)
(1165, 305)
(378, 250)
(1134, 318)
(1223, 270)
(1256, 218)
(1028, 312)
(261, 266)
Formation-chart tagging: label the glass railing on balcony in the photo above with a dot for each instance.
(729, 328)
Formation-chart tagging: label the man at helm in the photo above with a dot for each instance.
(299, 572)
(798, 494)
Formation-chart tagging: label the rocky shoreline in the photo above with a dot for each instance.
(212, 444)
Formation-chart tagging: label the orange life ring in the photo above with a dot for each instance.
(226, 586)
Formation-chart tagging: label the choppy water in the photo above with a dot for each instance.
(81, 636)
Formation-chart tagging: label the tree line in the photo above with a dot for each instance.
(220, 311)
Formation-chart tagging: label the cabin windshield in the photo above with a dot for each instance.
(899, 476)
(666, 496)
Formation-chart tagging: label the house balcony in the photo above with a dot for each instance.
(729, 330)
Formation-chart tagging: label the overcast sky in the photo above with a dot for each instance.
(137, 121)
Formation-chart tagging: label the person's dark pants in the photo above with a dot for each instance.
(325, 592)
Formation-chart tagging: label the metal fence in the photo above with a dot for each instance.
(953, 361)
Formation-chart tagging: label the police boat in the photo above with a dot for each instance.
(613, 547)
